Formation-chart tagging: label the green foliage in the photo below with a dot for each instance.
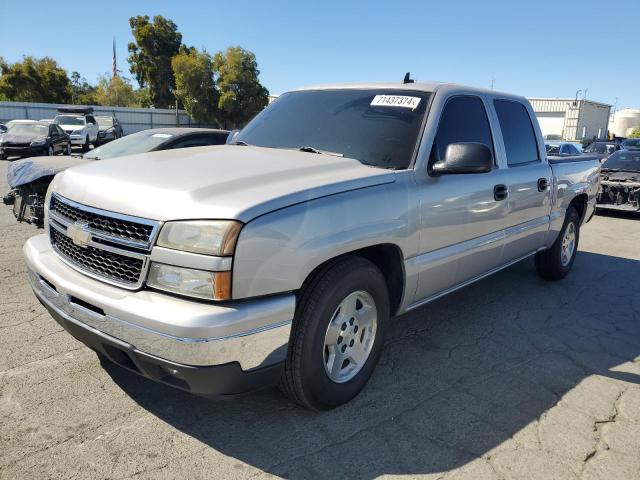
(195, 87)
(155, 44)
(635, 133)
(82, 92)
(34, 80)
(116, 92)
(241, 93)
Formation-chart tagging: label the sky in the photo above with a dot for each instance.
(534, 48)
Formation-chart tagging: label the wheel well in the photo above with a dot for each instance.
(580, 204)
(388, 258)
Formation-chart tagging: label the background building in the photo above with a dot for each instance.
(571, 119)
(624, 121)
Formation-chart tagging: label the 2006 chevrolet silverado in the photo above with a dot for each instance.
(282, 256)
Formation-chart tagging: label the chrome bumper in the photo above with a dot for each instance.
(254, 333)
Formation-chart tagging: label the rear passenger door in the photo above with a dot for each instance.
(529, 178)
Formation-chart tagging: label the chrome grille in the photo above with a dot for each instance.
(112, 266)
(109, 246)
(117, 227)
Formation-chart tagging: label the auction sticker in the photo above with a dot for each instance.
(396, 101)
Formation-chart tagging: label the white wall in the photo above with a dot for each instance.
(551, 123)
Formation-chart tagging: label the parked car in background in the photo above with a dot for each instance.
(33, 138)
(563, 149)
(282, 255)
(630, 144)
(30, 178)
(80, 125)
(620, 182)
(602, 149)
(109, 128)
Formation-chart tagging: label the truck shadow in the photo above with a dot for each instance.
(458, 378)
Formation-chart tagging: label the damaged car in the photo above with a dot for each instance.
(29, 178)
(620, 182)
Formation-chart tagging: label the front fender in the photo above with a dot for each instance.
(276, 252)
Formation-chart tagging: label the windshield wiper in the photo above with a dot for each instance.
(322, 152)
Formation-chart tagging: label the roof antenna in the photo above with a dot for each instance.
(407, 78)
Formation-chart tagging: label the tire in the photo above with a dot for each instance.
(68, 150)
(323, 303)
(96, 144)
(50, 151)
(3, 156)
(556, 262)
(85, 146)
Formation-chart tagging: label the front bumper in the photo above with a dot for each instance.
(77, 139)
(138, 329)
(23, 151)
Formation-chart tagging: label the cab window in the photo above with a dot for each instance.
(464, 119)
(517, 132)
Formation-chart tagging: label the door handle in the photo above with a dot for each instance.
(500, 192)
(543, 184)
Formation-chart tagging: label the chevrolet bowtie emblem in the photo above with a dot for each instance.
(79, 233)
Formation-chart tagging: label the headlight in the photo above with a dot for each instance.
(190, 282)
(209, 237)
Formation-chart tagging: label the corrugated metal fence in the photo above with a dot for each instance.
(132, 119)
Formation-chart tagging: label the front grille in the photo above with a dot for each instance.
(125, 229)
(112, 266)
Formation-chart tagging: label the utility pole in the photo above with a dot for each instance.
(493, 82)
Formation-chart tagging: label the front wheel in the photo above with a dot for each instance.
(50, 151)
(68, 149)
(338, 334)
(85, 147)
(556, 262)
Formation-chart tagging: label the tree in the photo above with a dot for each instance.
(150, 56)
(195, 87)
(116, 92)
(241, 93)
(82, 92)
(34, 80)
(635, 133)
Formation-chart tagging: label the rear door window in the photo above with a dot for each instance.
(517, 132)
(464, 119)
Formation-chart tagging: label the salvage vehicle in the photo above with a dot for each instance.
(30, 178)
(80, 124)
(602, 149)
(620, 182)
(26, 139)
(282, 256)
(109, 129)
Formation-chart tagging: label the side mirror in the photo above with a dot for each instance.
(232, 135)
(467, 157)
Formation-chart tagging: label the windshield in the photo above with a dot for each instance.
(32, 129)
(600, 148)
(623, 160)
(104, 121)
(140, 142)
(377, 127)
(68, 120)
(632, 143)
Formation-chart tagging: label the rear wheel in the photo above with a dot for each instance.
(338, 334)
(556, 262)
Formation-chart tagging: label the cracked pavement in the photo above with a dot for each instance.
(510, 378)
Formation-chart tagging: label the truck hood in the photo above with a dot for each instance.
(218, 182)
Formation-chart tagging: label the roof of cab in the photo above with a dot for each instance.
(420, 86)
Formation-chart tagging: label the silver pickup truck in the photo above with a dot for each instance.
(283, 256)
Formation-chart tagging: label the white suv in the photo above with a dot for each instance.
(82, 129)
